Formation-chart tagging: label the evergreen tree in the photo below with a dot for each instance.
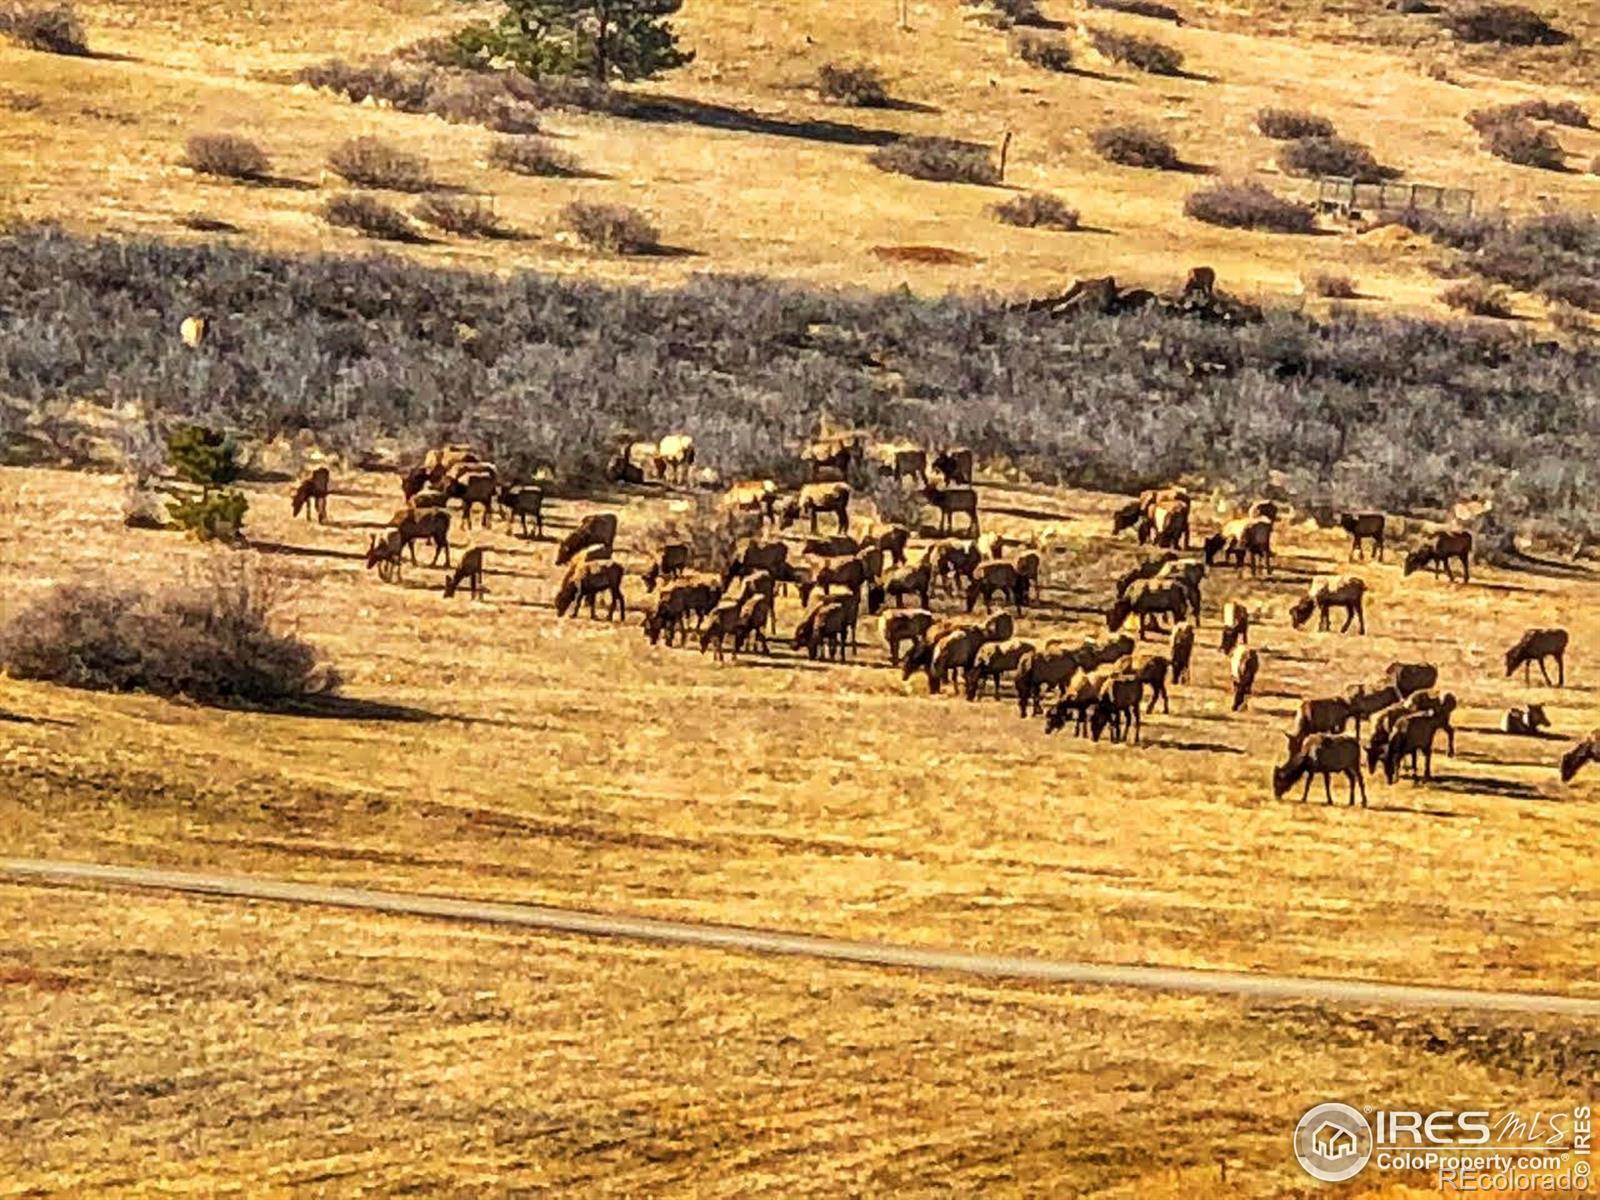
(606, 39)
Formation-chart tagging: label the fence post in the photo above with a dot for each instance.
(1005, 150)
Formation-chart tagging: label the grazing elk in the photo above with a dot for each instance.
(992, 661)
(1243, 667)
(828, 454)
(1235, 626)
(1407, 678)
(950, 501)
(903, 461)
(1328, 592)
(1535, 646)
(473, 484)
(673, 458)
(1180, 650)
(1440, 550)
(916, 582)
(1117, 706)
(669, 563)
(585, 582)
(311, 493)
(469, 571)
(386, 554)
(1586, 751)
(1322, 754)
(596, 529)
(954, 465)
(1363, 527)
(824, 629)
(903, 625)
(997, 578)
(1249, 540)
(518, 502)
(430, 525)
(676, 603)
(818, 498)
(1150, 600)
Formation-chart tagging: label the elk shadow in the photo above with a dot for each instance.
(1509, 789)
(283, 548)
(1193, 747)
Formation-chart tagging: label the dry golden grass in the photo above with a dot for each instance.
(103, 148)
(180, 1045)
(567, 761)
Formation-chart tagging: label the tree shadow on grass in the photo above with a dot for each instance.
(674, 110)
(11, 718)
(350, 708)
(1551, 568)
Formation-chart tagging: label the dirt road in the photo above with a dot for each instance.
(761, 941)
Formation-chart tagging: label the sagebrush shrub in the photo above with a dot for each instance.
(369, 216)
(227, 156)
(1249, 206)
(943, 160)
(1332, 285)
(1146, 54)
(1008, 13)
(857, 84)
(1141, 8)
(1477, 298)
(1558, 112)
(1288, 124)
(215, 640)
(465, 216)
(1574, 291)
(360, 349)
(614, 228)
(1044, 51)
(1508, 24)
(531, 156)
(1135, 146)
(710, 530)
(500, 100)
(1525, 144)
(372, 162)
(53, 29)
(1314, 156)
(1034, 210)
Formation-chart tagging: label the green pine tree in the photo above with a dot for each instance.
(605, 39)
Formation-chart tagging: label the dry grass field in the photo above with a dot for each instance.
(489, 749)
(758, 175)
(168, 1045)
(837, 799)
(174, 1046)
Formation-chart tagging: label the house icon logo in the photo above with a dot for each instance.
(1333, 1142)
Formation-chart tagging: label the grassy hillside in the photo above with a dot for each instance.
(754, 173)
(492, 750)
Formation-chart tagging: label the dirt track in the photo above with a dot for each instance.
(728, 937)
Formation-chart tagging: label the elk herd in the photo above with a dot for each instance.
(1103, 684)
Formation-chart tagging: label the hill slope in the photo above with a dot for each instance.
(755, 174)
